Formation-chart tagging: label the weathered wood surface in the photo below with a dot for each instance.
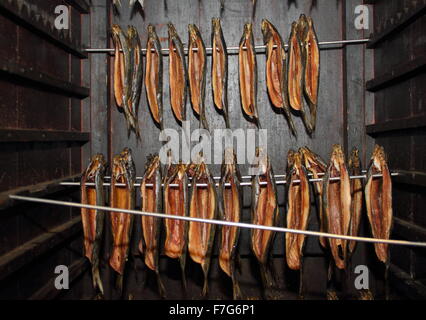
(401, 107)
(39, 121)
(333, 125)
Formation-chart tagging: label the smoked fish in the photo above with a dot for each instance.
(378, 199)
(296, 70)
(276, 70)
(176, 202)
(197, 70)
(122, 197)
(127, 74)
(264, 211)
(230, 208)
(154, 76)
(203, 204)
(152, 201)
(317, 167)
(337, 204)
(311, 57)
(357, 199)
(220, 70)
(93, 220)
(121, 69)
(298, 207)
(136, 79)
(178, 74)
(248, 74)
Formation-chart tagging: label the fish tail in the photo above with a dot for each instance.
(290, 122)
(119, 283)
(161, 288)
(206, 285)
(182, 268)
(266, 276)
(236, 291)
(313, 110)
(301, 295)
(227, 124)
(97, 282)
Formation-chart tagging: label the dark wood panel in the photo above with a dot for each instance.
(9, 39)
(396, 125)
(24, 15)
(36, 190)
(409, 230)
(26, 253)
(42, 136)
(49, 292)
(8, 104)
(42, 110)
(44, 80)
(81, 5)
(398, 74)
(403, 282)
(397, 23)
(415, 178)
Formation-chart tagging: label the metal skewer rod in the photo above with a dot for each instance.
(245, 177)
(243, 184)
(259, 47)
(219, 222)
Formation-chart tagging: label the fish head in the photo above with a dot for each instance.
(118, 168)
(264, 26)
(290, 158)
(131, 32)
(96, 165)
(216, 27)
(115, 29)
(248, 30)
(126, 154)
(337, 157)
(153, 165)
(172, 30)
(194, 33)
(378, 158)
(229, 161)
(263, 161)
(294, 26)
(312, 160)
(297, 163)
(190, 169)
(354, 160)
(181, 170)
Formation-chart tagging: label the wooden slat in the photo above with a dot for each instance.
(403, 282)
(81, 5)
(398, 25)
(12, 69)
(13, 135)
(49, 292)
(37, 190)
(26, 253)
(22, 14)
(398, 124)
(398, 74)
(415, 178)
(408, 230)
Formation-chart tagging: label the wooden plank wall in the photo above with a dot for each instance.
(397, 103)
(340, 120)
(27, 262)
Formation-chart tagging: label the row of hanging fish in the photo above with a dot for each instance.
(289, 76)
(292, 75)
(166, 190)
(128, 74)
